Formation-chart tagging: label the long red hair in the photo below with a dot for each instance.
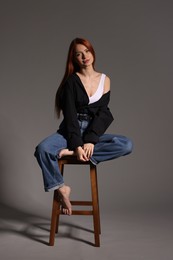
(71, 67)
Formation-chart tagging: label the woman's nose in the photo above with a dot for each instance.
(83, 55)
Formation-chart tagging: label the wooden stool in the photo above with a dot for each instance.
(94, 203)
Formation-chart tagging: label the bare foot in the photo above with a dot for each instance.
(64, 193)
(65, 152)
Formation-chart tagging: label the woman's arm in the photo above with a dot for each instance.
(107, 85)
(102, 118)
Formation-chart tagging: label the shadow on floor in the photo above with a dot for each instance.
(34, 227)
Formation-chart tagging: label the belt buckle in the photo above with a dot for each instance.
(83, 117)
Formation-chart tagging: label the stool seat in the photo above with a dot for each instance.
(94, 203)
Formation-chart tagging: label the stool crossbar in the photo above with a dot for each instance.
(94, 203)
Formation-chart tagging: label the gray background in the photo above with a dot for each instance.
(133, 42)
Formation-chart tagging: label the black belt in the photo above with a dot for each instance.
(84, 117)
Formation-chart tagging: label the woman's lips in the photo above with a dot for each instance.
(85, 61)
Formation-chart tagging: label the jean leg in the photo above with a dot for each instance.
(46, 154)
(110, 147)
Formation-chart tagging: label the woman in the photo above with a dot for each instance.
(83, 98)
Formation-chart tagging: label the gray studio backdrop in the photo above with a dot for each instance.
(133, 42)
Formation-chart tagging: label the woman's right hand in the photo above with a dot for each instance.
(81, 155)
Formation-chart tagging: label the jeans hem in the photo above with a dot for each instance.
(54, 188)
(93, 161)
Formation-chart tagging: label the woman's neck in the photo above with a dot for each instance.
(87, 72)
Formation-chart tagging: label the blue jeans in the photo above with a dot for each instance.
(109, 147)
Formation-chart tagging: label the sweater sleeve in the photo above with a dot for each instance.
(74, 138)
(102, 119)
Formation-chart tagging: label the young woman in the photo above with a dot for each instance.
(83, 98)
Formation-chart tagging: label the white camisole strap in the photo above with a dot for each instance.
(99, 92)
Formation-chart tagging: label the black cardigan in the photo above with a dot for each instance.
(73, 100)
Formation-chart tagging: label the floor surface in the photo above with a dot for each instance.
(126, 235)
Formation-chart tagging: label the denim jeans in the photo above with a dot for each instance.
(109, 147)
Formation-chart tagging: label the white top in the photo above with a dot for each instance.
(99, 92)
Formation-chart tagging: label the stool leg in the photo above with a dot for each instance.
(58, 213)
(96, 218)
(55, 213)
(53, 219)
(61, 167)
(98, 201)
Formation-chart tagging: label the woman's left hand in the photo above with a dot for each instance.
(88, 148)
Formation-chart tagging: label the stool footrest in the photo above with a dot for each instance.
(81, 203)
(77, 212)
(82, 212)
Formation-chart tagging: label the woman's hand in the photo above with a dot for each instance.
(81, 155)
(88, 149)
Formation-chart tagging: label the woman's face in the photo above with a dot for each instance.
(83, 56)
